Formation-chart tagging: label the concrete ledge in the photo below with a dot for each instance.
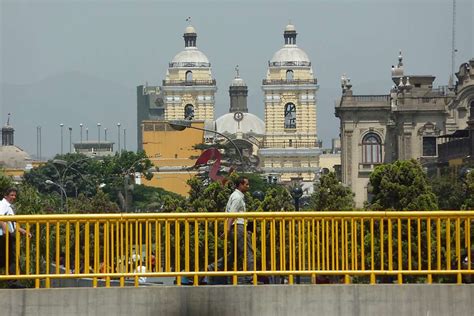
(415, 299)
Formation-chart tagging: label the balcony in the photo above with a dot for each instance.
(189, 83)
(293, 144)
(266, 82)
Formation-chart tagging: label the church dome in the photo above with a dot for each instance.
(290, 54)
(190, 56)
(238, 122)
(238, 82)
(12, 157)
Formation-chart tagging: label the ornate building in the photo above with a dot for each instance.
(290, 151)
(186, 93)
(405, 124)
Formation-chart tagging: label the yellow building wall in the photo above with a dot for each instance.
(167, 147)
(174, 182)
(329, 161)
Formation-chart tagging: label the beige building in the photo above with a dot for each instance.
(404, 124)
(290, 150)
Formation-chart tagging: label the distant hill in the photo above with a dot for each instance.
(70, 98)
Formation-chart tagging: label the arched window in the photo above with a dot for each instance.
(371, 149)
(290, 115)
(289, 75)
(189, 75)
(189, 112)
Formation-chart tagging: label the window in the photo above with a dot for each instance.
(371, 149)
(429, 146)
(290, 115)
(189, 75)
(471, 108)
(289, 75)
(188, 112)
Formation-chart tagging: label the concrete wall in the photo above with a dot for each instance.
(243, 300)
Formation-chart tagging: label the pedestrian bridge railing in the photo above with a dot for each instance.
(340, 247)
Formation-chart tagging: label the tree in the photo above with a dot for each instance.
(331, 195)
(151, 199)
(77, 173)
(449, 190)
(401, 186)
(468, 203)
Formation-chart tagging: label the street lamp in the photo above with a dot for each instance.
(61, 125)
(105, 133)
(126, 174)
(80, 125)
(124, 139)
(118, 127)
(70, 139)
(62, 192)
(183, 124)
(297, 193)
(98, 134)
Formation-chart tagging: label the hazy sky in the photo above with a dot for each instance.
(131, 42)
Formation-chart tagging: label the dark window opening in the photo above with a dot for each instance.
(189, 112)
(290, 115)
(429, 146)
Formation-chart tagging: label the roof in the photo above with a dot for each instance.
(231, 123)
(13, 157)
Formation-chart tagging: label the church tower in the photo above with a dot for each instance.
(189, 89)
(238, 93)
(291, 150)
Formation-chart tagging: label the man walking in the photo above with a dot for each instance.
(8, 227)
(236, 204)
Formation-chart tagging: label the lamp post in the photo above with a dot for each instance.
(118, 137)
(62, 192)
(61, 125)
(124, 139)
(87, 133)
(183, 124)
(80, 125)
(297, 193)
(70, 139)
(98, 134)
(105, 134)
(126, 174)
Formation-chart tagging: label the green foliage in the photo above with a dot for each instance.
(401, 185)
(277, 199)
(210, 198)
(151, 199)
(449, 190)
(79, 174)
(468, 203)
(5, 183)
(331, 195)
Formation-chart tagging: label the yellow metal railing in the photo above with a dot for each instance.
(349, 247)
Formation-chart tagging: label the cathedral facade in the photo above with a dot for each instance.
(284, 146)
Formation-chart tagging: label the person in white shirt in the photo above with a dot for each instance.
(6, 208)
(236, 204)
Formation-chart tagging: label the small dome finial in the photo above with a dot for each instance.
(237, 71)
